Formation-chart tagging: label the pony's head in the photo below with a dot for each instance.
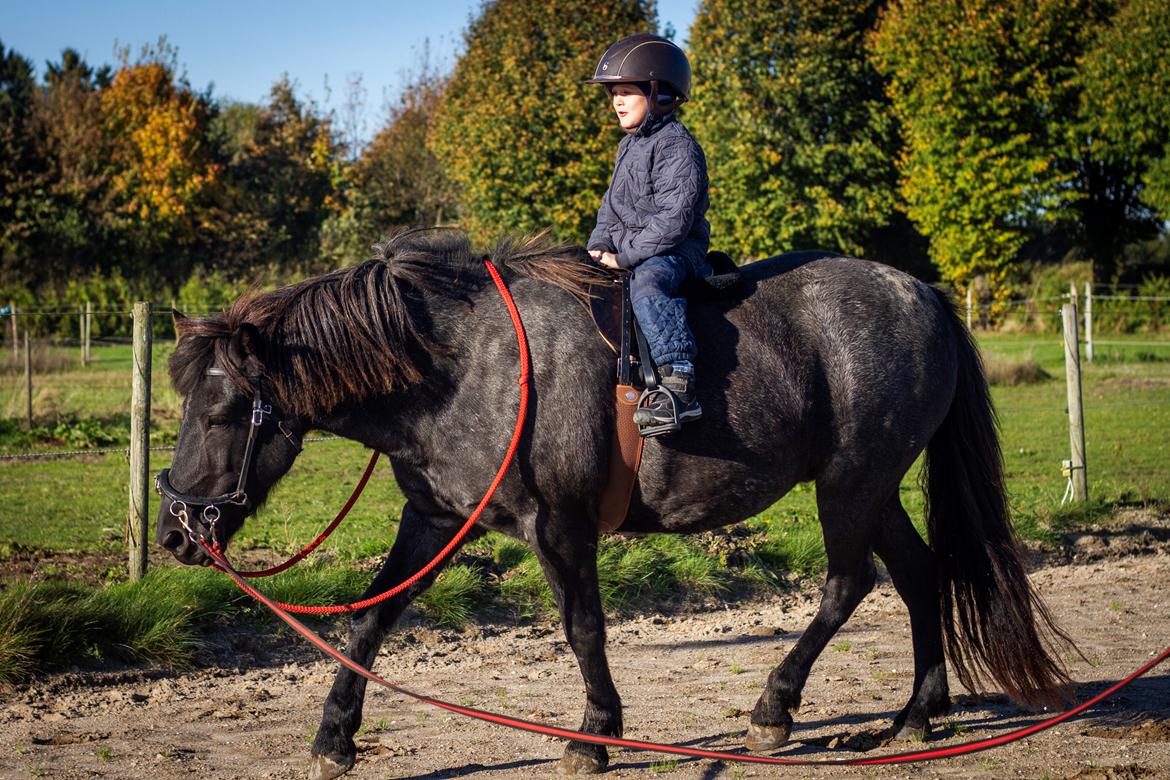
(234, 444)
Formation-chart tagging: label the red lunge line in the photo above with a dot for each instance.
(521, 416)
(313, 545)
(282, 611)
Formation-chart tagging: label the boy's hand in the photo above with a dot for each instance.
(608, 259)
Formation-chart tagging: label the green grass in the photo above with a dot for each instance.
(159, 619)
(451, 600)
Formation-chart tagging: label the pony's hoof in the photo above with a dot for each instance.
(911, 733)
(762, 738)
(574, 762)
(328, 767)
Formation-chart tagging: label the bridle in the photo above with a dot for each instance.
(239, 497)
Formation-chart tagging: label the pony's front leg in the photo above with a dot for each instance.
(567, 551)
(420, 538)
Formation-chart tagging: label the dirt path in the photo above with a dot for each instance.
(691, 679)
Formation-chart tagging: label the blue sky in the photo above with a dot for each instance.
(242, 47)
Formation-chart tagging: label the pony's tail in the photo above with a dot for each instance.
(995, 625)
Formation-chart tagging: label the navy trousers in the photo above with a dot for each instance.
(661, 312)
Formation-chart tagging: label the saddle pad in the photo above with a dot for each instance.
(624, 460)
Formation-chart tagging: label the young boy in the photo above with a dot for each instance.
(652, 218)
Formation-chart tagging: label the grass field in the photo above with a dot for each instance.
(79, 504)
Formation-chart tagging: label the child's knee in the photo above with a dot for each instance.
(657, 276)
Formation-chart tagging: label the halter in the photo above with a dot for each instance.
(238, 497)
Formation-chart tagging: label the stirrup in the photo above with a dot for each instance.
(657, 428)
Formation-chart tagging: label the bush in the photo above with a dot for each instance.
(1003, 372)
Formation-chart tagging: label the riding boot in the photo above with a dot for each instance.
(671, 404)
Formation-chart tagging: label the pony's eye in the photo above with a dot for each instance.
(217, 421)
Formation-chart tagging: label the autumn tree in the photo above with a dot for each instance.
(799, 135)
(161, 167)
(528, 144)
(986, 92)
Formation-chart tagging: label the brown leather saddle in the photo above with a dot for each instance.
(613, 315)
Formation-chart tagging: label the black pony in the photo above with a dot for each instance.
(826, 369)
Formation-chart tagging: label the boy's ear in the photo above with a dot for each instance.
(246, 348)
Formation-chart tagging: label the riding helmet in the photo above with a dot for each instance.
(648, 59)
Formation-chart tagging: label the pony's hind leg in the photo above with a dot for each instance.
(851, 577)
(420, 538)
(567, 551)
(912, 567)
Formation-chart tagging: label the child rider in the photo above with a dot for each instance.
(652, 218)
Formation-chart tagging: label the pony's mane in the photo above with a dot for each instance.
(351, 333)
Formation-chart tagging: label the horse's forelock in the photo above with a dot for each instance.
(195, 350)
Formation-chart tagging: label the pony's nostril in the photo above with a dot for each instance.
(173, 540)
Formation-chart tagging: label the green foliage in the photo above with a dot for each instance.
(207, 292)
(986, 95)
(282, 175)
(799, 136)
(453, 597)
(526, 143)
(1126, 103)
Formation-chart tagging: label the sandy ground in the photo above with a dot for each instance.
(686, 678)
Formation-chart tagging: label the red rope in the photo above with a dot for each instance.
(282, 611)
(313, 545)
(521, 416)
(973, 746)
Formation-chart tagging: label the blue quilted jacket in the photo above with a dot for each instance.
(656, 203)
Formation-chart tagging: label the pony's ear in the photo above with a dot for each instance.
(246, 348)
(180, 320)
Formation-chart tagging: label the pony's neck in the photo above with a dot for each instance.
(394, 423)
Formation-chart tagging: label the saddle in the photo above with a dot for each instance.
(613, 315)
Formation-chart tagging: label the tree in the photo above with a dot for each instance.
(986, 93)
(1125, 132)
(76, 232)
(398, 180)
(18, 164)
(161, 167)
(283, 168)
(528, 144)
(799, 136)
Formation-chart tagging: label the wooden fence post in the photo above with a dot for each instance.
(140, 442)
(15, 339)
(1076, 414)
(28, 393)
(88, 331)
(1089, 321)
(81, 333)
(970, 306)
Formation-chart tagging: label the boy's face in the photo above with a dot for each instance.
(629, 104)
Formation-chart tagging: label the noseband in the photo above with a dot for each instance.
(239, 497)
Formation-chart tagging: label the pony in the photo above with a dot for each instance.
(821, 368)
